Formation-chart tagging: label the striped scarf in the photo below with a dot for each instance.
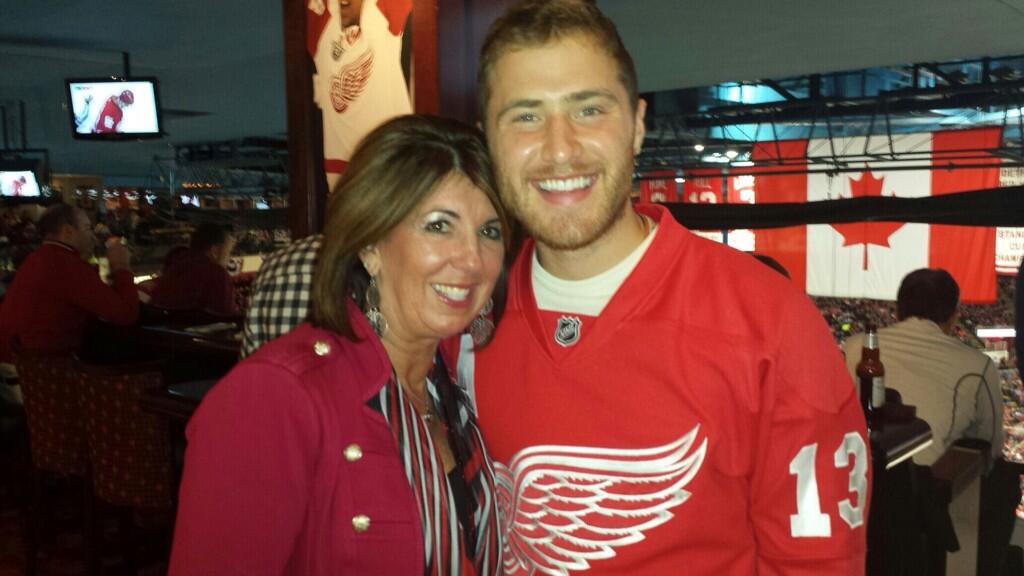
(448, 550)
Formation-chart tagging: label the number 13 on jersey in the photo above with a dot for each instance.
(810, 521)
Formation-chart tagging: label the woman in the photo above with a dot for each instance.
(343, 447)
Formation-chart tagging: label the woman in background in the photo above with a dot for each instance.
(343, 447)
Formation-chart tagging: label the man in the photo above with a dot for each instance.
(280, 293)
(674, 407)
(17, 185)
(356, 46)
(955, 388)
(110, 117)
(55, 292)
(198, 279)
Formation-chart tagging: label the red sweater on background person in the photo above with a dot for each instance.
(54, 294)
(196, 282)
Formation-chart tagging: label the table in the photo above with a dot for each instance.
(204, 352)
(221, 337)
(178, 401)
(894, 508)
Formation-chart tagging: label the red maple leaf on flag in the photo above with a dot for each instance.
(865, 233)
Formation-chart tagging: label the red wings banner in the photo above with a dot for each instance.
(359, 82)
(869, 259)
(659, 186)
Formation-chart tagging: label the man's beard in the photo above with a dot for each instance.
(581, 226)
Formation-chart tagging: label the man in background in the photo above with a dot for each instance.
(957, 391)
(197, 279)
(955, 387)
(55, 292)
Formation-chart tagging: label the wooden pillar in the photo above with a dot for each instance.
(425, 61)
(461, 28)
(307, 185)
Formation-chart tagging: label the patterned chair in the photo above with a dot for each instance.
(51, 392)
(130, 456)
(129, 449)
(50, 388)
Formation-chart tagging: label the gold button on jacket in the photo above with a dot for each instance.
(353, 452)
(361, 523)
(321, 348)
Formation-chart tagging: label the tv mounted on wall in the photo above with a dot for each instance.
(114, 108)
(18, 183)
(21, 178)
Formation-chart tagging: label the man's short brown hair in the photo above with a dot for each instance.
(533, 23)
(55, 218)
(928, 293)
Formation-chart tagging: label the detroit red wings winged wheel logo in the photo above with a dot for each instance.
(564, 507)
(350, 81)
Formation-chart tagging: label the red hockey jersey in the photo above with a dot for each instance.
(704, 423)
(110, 117)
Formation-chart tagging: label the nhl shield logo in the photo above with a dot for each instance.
(567, 332)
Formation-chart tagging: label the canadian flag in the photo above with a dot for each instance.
(870, 259)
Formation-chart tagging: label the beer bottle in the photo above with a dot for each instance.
(871, 376)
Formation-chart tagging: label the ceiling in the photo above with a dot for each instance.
(221, 69)
(220, 65)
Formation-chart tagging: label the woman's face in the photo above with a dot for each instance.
(437, 268)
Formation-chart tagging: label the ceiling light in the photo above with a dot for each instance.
(698, 147)
(743, 164)
(730, 154)
(715, 158)
(680, 179)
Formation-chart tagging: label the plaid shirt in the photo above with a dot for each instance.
(280, 294)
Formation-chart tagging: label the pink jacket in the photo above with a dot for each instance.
(288, 471)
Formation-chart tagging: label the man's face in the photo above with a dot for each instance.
(81, 237)
(222, 253)
(349, 11)
(563, 136)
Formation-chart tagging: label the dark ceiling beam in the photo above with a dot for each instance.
(924, 98)
(942, 74)
(778, 89)
(834, 108)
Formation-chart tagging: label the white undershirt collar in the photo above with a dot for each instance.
(589, 296)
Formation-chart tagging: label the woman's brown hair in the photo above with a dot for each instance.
(395, 168)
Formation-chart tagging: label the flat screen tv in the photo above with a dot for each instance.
(18, 183)
(114, 108)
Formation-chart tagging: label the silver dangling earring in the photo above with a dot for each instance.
(371, 307)
(482, 327)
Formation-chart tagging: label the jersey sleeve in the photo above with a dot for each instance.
(809, 491)
(396, 12)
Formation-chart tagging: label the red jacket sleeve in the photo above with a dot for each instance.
(252, 451)
(118, 304)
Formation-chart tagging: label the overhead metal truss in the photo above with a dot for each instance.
(718, 126)
(249, 166)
